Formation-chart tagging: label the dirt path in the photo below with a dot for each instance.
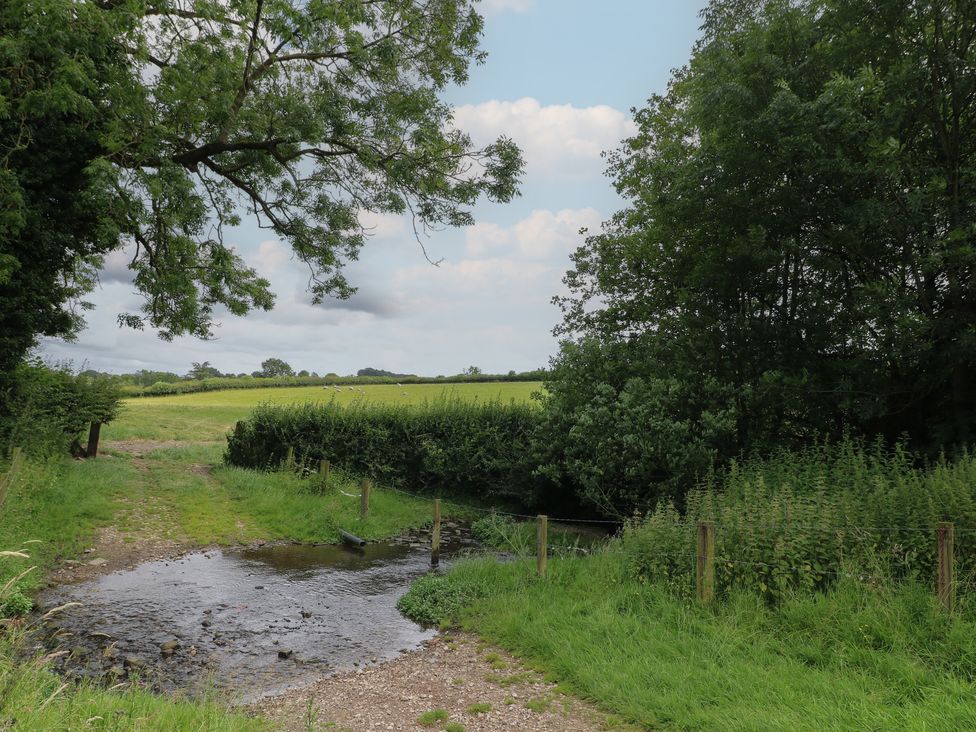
(479, 687)
(145, 529)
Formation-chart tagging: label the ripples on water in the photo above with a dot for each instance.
(326, 608)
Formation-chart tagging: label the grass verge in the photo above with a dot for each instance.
(854, 658)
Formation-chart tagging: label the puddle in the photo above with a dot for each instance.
(252, 622)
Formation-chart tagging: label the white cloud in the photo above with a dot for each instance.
(382, 226)
(116, 267)
(271, 256)
(492, 7)
(541, 235)
(558, 140)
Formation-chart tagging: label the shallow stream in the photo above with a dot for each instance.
(252, 622)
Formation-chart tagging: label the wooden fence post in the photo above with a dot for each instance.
(324, 468)
(435, 536)
(945, 587)
(364, 500)
(94, 429)
(543, 542)
(290, 459)
(705, 562)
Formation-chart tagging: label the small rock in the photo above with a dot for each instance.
(97, 562)
(170, 646)
(205, 623)
(115, 671)
(258, 587)
(306, 614)
(79, 652)
(109, 652)
(285, 653)
(131, 663)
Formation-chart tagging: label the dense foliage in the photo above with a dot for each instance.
(805, 519)
(452, 448)
(61, 66)
(797, 254)
(47, 410)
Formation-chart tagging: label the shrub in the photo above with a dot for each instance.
(804, 519)
(46, 409)
(481, 451)
(436, 598)
(15, 604)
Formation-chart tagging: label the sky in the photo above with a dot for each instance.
(561, 79)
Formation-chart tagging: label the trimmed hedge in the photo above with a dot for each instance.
(479, 451)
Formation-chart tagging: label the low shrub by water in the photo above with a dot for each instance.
(480, 451)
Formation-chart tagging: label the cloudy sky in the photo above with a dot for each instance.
(561, 79)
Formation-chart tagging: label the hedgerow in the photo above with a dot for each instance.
(480, 451)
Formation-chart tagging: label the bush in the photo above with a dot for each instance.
(46, 409)
(15, 604)
(448, 447)
(625, 439)
(436, 598)
(804, 519)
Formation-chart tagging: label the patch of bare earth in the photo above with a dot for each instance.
(480, 687)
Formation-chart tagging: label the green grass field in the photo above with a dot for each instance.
(855, 658)
(209, 415)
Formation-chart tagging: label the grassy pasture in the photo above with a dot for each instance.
(209, 415)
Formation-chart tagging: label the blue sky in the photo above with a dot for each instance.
(561, 79)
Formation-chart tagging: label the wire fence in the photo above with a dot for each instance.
(704, 558)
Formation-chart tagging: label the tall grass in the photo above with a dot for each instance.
(448, 446)
(806, 518)
(856, 657)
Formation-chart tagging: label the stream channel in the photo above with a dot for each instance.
(251, 622)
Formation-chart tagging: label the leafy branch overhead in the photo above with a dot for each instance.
(301, 114)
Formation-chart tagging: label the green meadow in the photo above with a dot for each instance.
(209, 415)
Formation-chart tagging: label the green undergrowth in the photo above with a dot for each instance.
(56, 505)
(33, 698)
(856, 657)
(520, 537)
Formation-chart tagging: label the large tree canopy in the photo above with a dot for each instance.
(156, 123)
(798, 246)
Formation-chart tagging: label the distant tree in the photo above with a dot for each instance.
(203, 371)
(276, 367)
(381, 372)
(471, 371)
(303, 372)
